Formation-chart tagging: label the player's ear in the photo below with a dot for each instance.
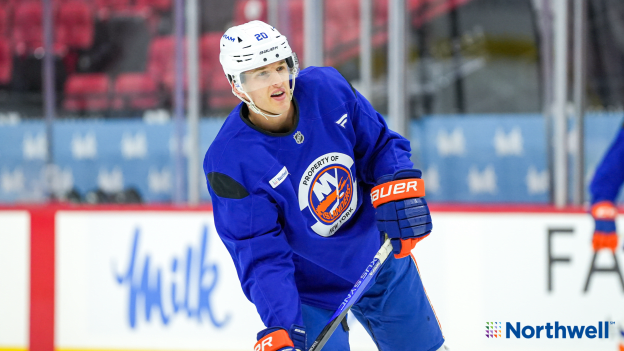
(237, 92)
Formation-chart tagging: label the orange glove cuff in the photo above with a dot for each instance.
(604, 241)
(407, 245)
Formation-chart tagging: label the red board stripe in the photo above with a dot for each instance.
(42, 279)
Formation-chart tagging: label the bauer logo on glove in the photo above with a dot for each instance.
(397, 190)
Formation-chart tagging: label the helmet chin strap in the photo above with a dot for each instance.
(256, 109)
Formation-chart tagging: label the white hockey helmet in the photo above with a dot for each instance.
(250, 46)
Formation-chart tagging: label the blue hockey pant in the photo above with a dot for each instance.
(395, 311)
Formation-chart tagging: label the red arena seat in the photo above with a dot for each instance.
(158, 5)
(209, 47)
(87, 92)
(114, 5)
(106, 8)
(342, 17)
(4, 20)
(161, 60)
(295, 34)
(28, 27)
(6, 62)
(135, 91)
(249, 10)
(8, 3)
(380, 12)
(74, 25)
(209, 56)
(161, 57)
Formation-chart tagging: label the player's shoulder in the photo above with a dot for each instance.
(238, 152)
(321, 91)
(326, 81)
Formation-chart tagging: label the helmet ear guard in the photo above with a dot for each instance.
(293, 63)
(290, 62)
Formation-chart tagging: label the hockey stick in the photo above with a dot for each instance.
(354, 295)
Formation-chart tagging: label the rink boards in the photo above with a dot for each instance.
(159, 278)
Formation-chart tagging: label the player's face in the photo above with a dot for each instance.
(269, 87)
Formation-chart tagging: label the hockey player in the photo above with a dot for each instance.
(290, 175)
(604, 190)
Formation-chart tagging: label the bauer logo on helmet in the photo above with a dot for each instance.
(268, 50)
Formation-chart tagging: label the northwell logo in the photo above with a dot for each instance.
(493, 329)
(549, 331)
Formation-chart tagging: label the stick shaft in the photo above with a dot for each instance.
(353, 296)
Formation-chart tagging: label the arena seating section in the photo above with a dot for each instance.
(93, 84)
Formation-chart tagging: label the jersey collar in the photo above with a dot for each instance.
(244, 116)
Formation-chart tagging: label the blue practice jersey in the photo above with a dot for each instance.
(294, 208)
(609, 174)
